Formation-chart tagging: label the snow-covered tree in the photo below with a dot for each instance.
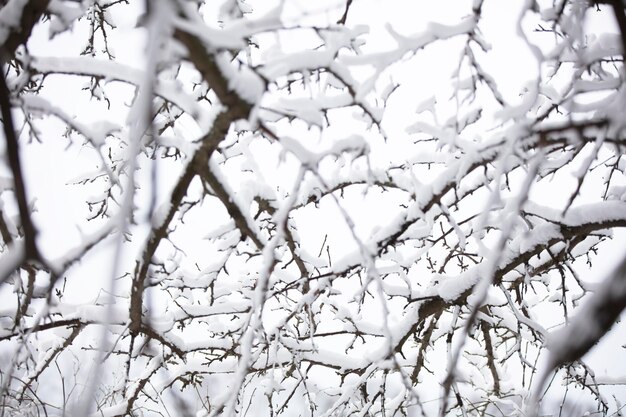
(299, 208)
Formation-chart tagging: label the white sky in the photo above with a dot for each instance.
(61, 206)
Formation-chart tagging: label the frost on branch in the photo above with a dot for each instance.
(329, 209)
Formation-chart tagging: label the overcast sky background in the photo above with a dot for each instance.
(51, 169)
